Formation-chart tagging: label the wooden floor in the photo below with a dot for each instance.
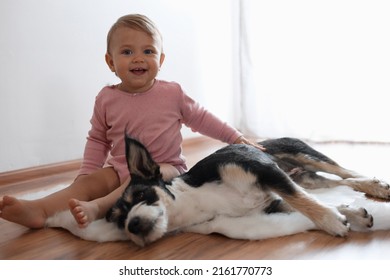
(17, 242)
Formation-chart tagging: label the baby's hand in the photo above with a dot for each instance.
(243, 140)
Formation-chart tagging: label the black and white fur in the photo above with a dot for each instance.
(235, 191)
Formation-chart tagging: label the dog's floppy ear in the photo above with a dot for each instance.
(139, 161)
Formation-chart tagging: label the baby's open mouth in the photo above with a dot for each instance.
(138, 71)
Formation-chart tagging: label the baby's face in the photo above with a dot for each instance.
(136, 58)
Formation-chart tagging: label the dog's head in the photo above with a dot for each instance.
(141, 211)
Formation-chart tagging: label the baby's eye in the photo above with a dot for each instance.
(148, 51)
(127, 52)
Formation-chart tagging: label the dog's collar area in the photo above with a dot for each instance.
(163, 185)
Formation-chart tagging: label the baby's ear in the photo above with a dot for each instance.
(110, 62)
(140, 162)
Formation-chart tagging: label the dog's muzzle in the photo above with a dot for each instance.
(146, 223)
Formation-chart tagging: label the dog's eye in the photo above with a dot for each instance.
(138, 196)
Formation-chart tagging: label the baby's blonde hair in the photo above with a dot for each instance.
(137, 22)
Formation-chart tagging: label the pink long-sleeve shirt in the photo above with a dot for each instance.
(154, 118)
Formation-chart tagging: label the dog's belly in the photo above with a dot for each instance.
(245, 193)
(243, 203)
(213, 199)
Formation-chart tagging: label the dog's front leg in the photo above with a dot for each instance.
(99, 230)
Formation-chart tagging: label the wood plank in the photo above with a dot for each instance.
(31, 173)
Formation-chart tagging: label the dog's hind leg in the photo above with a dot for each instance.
(292, 153)
(325, 217)
(271, 178)
(370, 186)
(308, 177)
(359, 219)
(302, 163)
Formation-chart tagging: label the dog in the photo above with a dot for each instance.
(235, 191)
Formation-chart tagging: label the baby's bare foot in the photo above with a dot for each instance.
(23, 212)
(84, 212)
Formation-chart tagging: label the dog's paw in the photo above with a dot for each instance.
(381, 189)
(371, 186)
(334, 223)
(359, 219)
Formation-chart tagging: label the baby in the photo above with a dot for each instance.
(150, 110)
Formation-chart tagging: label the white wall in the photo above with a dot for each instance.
(52, 66)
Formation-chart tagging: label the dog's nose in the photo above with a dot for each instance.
(138, 226)
(134, 225)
